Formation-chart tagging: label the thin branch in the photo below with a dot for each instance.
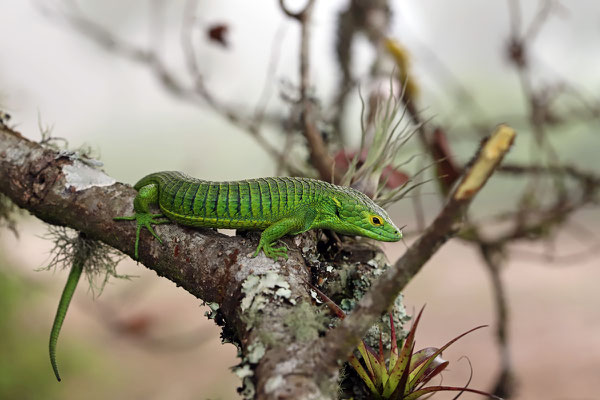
(319, 154)
(505, 383)
(585, 177)
(300, 15)
(270, 78)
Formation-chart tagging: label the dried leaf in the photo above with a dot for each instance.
(218, 33)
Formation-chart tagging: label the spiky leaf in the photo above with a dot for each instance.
(403, 362)
(364, 375)
(394, 345)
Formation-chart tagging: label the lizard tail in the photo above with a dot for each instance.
(63, 305)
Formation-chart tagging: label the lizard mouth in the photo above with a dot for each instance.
(391, 237)
(384, 236)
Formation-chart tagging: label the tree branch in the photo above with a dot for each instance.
(211, 266)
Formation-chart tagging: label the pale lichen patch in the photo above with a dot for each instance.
(214, 307)
(15, 155)
(81, 176)
(255, 286)
(274, 383)
(245, 373)
(285, 293)
(305, 322)
(256, 351)
(249, 390)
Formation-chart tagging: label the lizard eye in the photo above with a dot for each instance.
(375, 220)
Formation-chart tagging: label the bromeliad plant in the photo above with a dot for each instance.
(407, 372)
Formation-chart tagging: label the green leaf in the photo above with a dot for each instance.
(435, 367)
(364, 375)
(394, 344)
(400, 388)
(405, 355)
(378, 363)
(362, 349)
(430, 373)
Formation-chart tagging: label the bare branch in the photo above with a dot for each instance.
(506, 382)
(319, 154)
(301, 15)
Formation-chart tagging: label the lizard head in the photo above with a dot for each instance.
(353, 213)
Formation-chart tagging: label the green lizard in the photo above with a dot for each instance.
(278, 206)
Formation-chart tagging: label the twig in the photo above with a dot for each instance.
(265, 93)
(585, 177)
(319, 154)
(518, 47)
(505, 383)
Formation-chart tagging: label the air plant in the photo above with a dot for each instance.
(407, 372)
(383, 134)
(374, 168)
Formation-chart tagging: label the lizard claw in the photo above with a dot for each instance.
(276, 252)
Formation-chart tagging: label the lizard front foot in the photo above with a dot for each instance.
(272, 252)
(144, 220)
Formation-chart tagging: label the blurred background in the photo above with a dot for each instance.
(145, 338)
